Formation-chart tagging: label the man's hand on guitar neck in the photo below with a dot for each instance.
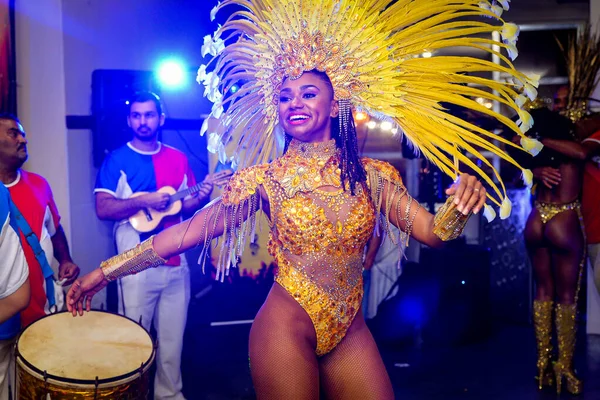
(211, 180)
(157, 200)
(190, 205)
(208, 184)
(205, 189)
(220, 178)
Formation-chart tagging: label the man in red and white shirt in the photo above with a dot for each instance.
(32, 195)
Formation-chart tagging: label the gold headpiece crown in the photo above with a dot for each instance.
(309, 52)
(373, 51)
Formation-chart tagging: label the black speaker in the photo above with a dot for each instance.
(111, 92)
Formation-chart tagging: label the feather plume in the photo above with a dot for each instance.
(370, 49)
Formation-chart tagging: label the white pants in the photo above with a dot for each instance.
(160, 296)
(7, 368)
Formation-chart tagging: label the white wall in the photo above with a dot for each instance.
(41, 95)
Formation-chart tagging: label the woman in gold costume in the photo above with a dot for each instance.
(302, 67)
(554, 232)
(556, 243)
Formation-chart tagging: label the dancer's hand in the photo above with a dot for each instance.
(549, 176)
(83, 290)
(469, 194)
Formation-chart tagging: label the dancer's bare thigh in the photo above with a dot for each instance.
(283, 362)
(354, 368)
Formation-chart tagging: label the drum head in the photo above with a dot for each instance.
(97, 344)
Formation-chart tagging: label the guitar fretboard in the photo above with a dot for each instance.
(186, 192)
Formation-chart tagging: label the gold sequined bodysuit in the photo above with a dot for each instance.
(318, 231)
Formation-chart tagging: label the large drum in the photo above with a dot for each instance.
(94, 356)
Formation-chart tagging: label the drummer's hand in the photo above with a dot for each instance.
(469, 194)
(68, 271)
(83, 290)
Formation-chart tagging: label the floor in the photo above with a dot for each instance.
(499, 366)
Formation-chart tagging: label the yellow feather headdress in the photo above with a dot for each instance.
(582, 56)
(370, 49)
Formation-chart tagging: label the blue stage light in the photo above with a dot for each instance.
(412, 309)
(171, 74)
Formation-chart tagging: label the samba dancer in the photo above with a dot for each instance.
(304, 66)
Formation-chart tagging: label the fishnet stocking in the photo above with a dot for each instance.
(565, 234)
(354, 369)
(539, 254)
(560, 244)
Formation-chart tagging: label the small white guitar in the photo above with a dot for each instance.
(148, 219)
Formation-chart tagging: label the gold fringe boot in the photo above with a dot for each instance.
(566, 330)
(542, 322)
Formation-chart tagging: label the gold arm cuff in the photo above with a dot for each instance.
(138, 259)
(448, 222)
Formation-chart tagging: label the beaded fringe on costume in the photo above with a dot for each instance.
(239, 223)
(239, 220)
(378, 183)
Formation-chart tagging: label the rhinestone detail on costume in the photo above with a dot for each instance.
(319, 235)
(318, 231)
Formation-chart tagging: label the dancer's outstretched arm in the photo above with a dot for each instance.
(391, 198)
(206, 224)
